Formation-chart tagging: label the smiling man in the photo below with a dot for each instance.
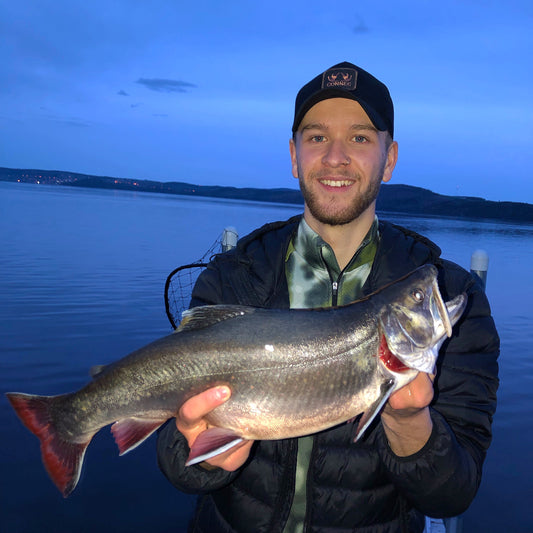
(424, 453)
(340, 160)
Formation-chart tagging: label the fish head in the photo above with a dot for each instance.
(415, 321)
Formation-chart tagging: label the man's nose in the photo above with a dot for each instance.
(336, 154)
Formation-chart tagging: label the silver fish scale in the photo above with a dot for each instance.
(309, 355)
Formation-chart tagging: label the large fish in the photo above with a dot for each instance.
(291, 373)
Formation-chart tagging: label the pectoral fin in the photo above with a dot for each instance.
(374, 409)
(210, 443)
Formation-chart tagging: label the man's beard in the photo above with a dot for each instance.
(335, 217)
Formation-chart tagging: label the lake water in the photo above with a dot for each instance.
(82, 274)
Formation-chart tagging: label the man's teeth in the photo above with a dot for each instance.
(336, 183)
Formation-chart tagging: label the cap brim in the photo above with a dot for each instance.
(327, 94)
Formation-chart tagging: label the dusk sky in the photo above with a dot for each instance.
(203, 91)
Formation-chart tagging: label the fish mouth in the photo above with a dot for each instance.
(414, 333)
(455, 309)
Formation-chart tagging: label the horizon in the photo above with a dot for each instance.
(205, 94)
(295, 189)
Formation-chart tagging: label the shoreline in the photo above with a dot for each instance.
(394, 198)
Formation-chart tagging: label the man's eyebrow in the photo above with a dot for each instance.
(323, 127)
(367, 127)
(314, 126)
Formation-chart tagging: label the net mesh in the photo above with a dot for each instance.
(180, 282)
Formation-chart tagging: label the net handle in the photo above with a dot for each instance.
(167, 286)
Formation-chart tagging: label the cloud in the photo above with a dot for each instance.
(122, 93)
(67, 121)
(360, 25)
(167, 86)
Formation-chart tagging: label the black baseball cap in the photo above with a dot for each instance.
(346, 80)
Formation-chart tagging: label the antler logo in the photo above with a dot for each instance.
(340, 78)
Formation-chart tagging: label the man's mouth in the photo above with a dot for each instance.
(336, 183)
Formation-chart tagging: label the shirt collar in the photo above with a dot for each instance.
(316, 251)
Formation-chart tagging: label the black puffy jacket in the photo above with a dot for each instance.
(361, 487)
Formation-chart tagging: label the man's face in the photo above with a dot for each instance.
(340, 160)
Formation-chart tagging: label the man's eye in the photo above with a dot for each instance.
(360, 139)
(318, 138)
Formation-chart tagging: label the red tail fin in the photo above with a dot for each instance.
(62, 458)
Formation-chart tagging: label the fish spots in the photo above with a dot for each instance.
(269, 347)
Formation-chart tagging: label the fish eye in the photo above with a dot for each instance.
(418, 295)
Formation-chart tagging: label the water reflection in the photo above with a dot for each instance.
(474, 227)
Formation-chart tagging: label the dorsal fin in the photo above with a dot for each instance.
(208, 315)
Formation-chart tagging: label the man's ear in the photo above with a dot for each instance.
(392, 157)
(294, 160)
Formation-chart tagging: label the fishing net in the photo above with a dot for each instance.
(178, 289)
(180, 282)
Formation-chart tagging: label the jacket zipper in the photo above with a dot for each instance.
(335, 288)
(334, 292)
(334, 283)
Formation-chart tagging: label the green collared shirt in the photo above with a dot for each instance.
(315, 280)
(313, 274)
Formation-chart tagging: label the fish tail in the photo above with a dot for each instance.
(62, 457)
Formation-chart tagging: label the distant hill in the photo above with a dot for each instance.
(393, 198)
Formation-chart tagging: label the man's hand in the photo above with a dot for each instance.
(191, 421)
(406, 417)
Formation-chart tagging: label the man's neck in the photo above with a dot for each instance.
(344, 239)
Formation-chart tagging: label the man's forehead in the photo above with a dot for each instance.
(327, 112)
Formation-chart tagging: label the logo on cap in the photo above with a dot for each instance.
(340, 78)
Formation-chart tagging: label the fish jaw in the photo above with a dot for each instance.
(455, 308)
(424, 357)
(417, 323)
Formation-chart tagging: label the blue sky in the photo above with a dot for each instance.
(203, 91)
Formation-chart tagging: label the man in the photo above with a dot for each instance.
(424, 454)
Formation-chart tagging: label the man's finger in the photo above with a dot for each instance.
(197, 407)
(416, 395)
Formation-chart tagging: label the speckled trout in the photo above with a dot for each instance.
(291, 373)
